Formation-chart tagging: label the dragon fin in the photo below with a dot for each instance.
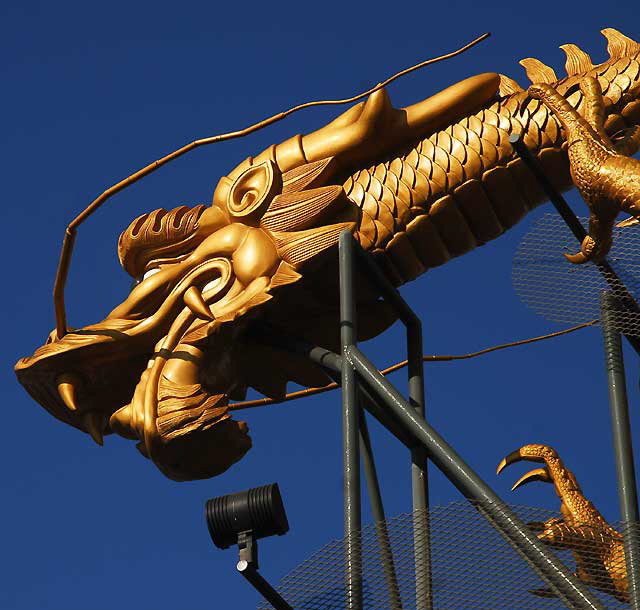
(285, 274)
(297, 247)
(578, 61)
(508, 86)
(308, 175)
(301, 210)
(537, 72)
(619, 45)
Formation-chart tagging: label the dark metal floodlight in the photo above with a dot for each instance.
(243, 517)
(259, 510)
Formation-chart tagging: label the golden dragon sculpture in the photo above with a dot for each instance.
(417, 186)
(597, 547)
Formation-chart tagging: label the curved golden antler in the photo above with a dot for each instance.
(70, 232)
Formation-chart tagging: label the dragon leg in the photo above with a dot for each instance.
(596, 546)
(589, 151)
(594, 106)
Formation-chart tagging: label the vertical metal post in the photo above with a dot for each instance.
(351, 436)
(621, 427)
(419, 476)
(419, 483)
(377, 508)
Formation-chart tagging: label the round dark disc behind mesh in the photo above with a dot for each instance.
(565, 292)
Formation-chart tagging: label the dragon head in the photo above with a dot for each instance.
(162, 367)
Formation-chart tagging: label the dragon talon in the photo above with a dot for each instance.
(632, 221)
(588, 250)
(512, 458)
(577, 259)
(538, 474)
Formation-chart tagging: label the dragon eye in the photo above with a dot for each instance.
(137, 281)
(149, 273)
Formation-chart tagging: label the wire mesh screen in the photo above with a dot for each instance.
(565, 292)
(471, 565)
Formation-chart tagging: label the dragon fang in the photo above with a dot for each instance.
(416, 186)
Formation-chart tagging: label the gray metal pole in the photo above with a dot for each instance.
(249, 571)
(377, 508)
(623, 447)
(419, 476)
(351, 438)
(564, 584)
(419, 481)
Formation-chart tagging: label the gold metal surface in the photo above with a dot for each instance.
(416, 186)
(608, 179)
(598, 549)
(70, 233)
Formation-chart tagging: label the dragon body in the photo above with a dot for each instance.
(462, 186)
(416, 186)
(597, 547)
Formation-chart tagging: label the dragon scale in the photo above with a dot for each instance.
(463, 186)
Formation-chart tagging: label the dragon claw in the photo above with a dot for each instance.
(529, 453)
(577, 259)
(590, 250)
(532, 453)
(632, 221)
(538, 474)
(512, 458)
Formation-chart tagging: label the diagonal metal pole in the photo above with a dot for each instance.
(623, 446)
(377, 508)
(502, 518)
(563, 583)
(250, 572)
(608, 273)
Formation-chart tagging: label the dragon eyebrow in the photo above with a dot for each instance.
(70, 232)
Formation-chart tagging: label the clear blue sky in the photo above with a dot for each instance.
(92, 92)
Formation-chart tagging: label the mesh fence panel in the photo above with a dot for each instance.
(472, 566)
(564, 292)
